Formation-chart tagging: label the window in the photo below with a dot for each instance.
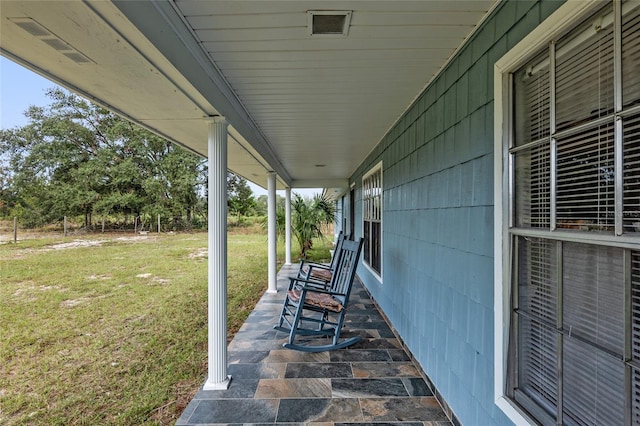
(372, 218)
(570, 250)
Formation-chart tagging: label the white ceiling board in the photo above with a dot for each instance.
(302, 90)
(329, 44)
(293, 34)
(342, 56)
(199, 8)
(292, 100)
(361, 18)
(108, 52)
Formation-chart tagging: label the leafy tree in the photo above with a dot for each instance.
(240, 199)
(75, 158)
(261, 204)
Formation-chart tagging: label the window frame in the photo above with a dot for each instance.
(372, 171)
(565, 17)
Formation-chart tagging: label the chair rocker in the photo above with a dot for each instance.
(310, 310)
(318, 271)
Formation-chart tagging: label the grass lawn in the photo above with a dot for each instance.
(113, 330)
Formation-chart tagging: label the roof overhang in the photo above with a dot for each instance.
(309, 107)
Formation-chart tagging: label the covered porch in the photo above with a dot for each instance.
(266, 90)
(372, 381)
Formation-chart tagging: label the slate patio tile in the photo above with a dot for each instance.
(256, 334)
(319, 410)
(398, 355)
(235, 357)
(384, 369)
(315, 369)
(286, 355)
(293, 388)
(360, 388)
(234, 411)
(383, 424)
(402, 409)
(377, 344)
(259, 345)
(416, 386)
(238, 388)
(360, 355)
(386, 332)
(257, 371)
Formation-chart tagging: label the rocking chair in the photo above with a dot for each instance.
(310, 310)
(319, 271)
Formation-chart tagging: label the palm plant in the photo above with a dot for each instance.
(308, 217)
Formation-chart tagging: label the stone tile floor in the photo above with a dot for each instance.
(371, 382)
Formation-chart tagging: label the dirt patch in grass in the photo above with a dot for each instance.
(199, 254)
(15, 251)
(74, 244)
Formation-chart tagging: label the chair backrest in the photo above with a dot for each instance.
(345, 270)
(337, 249)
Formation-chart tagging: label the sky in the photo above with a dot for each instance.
(21, 88)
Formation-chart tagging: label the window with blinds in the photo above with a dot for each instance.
(574, 255)
(372, 218)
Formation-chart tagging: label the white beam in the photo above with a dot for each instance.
(217, 377)
(271, 214)
(287, 226)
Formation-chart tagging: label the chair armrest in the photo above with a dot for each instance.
(310, 282)
(314, 272)
(307, 284)
(313, 264)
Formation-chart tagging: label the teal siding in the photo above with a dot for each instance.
(437, 284)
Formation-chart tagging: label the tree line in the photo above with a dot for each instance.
(77, 159)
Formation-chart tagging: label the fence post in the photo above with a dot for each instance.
(135, 225)
(65, 226)
(15, 230)
(103, 224)
(158, 223)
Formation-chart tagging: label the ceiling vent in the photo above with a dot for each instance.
(37, 30)
(328, 23)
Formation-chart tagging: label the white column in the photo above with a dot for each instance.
(217, 377)
(271, 217)
(287, 227)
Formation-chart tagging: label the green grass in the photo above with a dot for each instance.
(114, 333)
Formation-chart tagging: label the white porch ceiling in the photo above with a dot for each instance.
(294, 101)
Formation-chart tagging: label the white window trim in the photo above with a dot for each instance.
(572, 12)
(372, 170)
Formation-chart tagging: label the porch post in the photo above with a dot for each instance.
(271, 215)
(287, 226)
(217, 262)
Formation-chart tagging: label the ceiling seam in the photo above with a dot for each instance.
(226, 85)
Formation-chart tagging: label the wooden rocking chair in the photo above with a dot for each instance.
(318, 271)
(310, 310)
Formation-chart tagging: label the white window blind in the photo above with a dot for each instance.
(585, 180)
(635, 335)
(532, 187)
(584, 75)
(631, 123)
(537, 278)
(630, 59)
